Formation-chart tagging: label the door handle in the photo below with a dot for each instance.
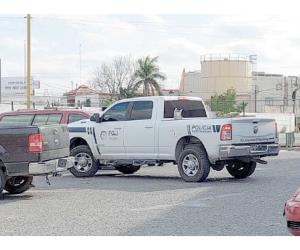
(149, 127)
(117, 128)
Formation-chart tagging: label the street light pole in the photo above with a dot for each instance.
(28, 61)
(294, 96)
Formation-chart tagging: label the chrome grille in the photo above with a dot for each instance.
(293, 225)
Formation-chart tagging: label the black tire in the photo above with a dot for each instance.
(241, 170)
(128, 169)
(18, 184)
(198, 174)
(80, 169)
(2, 181)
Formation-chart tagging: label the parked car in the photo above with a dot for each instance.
(154, 130)
(33, 117)
(26, 151)
(292, 214)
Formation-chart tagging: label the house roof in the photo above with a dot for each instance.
(82, 90)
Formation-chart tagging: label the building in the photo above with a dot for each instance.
(85, 96)
(217, 74)
(273, 93)
(262, 92)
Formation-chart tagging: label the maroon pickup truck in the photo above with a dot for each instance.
(43, 117)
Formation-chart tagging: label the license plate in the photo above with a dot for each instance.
(62, 163)
(258, 148)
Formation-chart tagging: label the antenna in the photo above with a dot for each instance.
(79, 63)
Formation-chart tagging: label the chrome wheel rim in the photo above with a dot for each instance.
(83, 162)
(190, 165)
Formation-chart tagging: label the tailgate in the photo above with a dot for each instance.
(56, 142)
(253, 130)
(14, 144)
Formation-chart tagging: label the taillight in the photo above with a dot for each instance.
(35, 143)
(276, 130)
(226, 132)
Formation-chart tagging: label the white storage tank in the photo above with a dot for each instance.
(220, 73)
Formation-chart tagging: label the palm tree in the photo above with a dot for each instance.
(148, 74)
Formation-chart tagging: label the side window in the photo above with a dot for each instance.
(141, 110)
(16, 120)
(76, 117)
(47, 119)
(54, 119)
(40, 120)
(189, 108)
(116, 113)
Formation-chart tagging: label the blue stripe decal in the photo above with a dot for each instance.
(77, 130)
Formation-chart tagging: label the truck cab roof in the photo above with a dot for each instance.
(165, 98)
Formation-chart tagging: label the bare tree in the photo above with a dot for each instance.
(117, 77)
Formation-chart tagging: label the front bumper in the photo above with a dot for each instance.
(292, 215)
(51, 167)
(233, 151)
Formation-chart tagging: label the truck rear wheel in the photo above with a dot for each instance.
(18, 184)
(193, 164)
(241, 170)
(85, 164)
(2, 181)
(128, 169)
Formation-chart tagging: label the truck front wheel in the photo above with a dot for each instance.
(128, 169)
(193, 164)
(18, 184)
(241, 170)
(85, 164)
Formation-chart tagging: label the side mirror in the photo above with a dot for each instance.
(95, 118)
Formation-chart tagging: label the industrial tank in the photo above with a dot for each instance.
(219, 73)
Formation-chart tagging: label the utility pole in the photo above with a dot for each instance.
(28, 60)
(24, 60)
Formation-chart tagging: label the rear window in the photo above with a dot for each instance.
(16, 120)
(190, 108)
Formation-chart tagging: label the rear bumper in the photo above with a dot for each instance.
(51, 167)
(233, 151)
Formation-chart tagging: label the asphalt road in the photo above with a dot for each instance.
(155, 201)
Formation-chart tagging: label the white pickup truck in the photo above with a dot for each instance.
(155, 130)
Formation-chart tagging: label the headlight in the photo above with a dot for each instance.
(297, 197)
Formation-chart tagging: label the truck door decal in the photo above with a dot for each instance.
(216, 128)
(95, 138)
(77, 130)
(189, 129)
(203, 129)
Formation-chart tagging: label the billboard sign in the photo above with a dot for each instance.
(16, 86)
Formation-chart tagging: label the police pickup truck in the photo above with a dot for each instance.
(155, 130)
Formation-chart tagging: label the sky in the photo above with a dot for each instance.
(178, 41)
